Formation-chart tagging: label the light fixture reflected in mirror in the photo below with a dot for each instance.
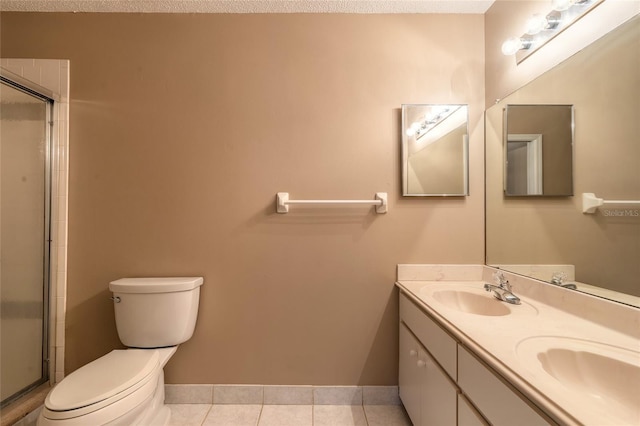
(540, 29)
(436, 115)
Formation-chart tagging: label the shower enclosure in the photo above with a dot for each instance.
(25, 211)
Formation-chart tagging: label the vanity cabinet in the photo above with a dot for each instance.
(442, 383)
(428, 394)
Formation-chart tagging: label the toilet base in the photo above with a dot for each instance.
(156, 413)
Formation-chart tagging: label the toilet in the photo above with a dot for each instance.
(126, 386)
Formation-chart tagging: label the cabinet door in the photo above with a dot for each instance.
(409, 375)
(467, 414)
(439, 395)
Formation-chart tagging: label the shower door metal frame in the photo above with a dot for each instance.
(48, 182)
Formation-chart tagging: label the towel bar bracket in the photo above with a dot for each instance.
(590, 202)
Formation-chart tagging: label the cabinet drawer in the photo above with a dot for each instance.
(437, 341)
(499, 404)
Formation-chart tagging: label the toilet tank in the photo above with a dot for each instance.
(155, 312)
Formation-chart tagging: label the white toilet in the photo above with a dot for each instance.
(126, 387)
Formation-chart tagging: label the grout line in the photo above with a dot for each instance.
(259, 415)
(206, 415)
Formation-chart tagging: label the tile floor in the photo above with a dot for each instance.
(287, 415)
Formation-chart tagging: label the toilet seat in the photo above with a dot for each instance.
(103, 382)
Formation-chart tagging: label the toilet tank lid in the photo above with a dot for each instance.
(155, 285)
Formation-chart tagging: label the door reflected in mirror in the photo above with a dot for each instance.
(538, 150)
(435, 150)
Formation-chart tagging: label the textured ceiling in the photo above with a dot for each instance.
(249, 6)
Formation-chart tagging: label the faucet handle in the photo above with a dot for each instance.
(501, 280)
(558, 278)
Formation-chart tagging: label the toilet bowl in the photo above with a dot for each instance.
(126, 387)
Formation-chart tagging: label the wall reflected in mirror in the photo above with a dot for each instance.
(538, 150)
(435, 142)
(547, 237)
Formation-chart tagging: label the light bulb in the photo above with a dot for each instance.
(536, 23)
(440, 111)
(561, 5)
(413, 129)
(511, 46)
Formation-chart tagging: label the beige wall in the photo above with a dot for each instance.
(602, 82)
(184, 127)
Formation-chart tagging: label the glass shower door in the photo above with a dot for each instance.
(24, 239)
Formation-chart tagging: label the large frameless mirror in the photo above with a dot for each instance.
(550, 238)
(538, 150)
(435, 141)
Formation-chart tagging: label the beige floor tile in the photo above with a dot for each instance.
(233, 415)
(386, 415)
(339, 415)
(188, 414)
(286, 415)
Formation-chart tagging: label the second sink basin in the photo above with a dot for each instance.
(599, 376)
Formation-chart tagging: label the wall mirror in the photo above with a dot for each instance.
(435, 142)
(543, 237)
(538, 150)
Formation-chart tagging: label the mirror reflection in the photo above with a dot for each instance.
(538, 150)
(550, 238)
(434, 150)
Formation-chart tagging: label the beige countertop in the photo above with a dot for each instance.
(511, 344)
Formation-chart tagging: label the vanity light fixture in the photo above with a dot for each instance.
(429, 121)
(539, 29)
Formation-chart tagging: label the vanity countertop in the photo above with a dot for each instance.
(512, 344)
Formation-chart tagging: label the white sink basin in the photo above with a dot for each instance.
(599, 376)
(471, 299)
(472, 303)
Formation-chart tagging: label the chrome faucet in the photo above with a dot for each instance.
(502, 291)
(558, 279)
